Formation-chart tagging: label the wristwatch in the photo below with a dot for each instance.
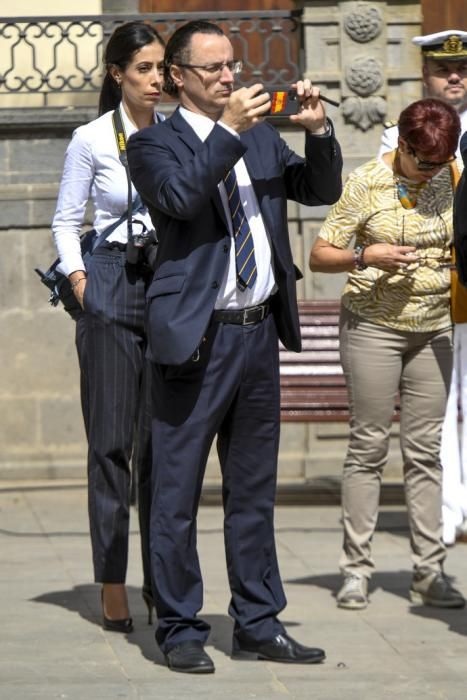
(358, 257)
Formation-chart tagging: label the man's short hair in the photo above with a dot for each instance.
(178, 50)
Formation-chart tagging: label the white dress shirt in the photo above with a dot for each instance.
(230, 296)
(92, 170)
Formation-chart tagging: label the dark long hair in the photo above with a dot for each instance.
(178, 48)
(431, 127)
(125, 41)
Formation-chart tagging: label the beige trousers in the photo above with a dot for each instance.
(377, 362)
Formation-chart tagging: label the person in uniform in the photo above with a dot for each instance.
(444, 76)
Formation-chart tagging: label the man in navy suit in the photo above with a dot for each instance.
(216, 178)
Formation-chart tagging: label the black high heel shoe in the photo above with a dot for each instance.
(124, 625)
(149, 600)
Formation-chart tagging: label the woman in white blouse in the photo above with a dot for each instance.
(110, 335)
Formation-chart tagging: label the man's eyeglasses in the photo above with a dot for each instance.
(428, 164)
(234, 67)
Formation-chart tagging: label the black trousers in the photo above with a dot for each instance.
(230, 388)
(115, 395)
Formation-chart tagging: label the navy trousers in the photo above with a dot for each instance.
(229, 388)
(111, 345)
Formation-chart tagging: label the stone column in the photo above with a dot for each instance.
(363, 59)
(360, 52)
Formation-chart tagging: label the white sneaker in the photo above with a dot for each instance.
(354, 592)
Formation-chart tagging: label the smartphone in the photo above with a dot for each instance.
(283, 101)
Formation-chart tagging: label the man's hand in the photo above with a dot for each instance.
(246, 107)
(311, 114)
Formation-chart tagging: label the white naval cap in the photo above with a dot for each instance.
(449, 45)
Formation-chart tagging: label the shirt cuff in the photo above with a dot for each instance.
(229, 129)
(328, 131)
(72, 263)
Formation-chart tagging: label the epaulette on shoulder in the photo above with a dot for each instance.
(390, 123)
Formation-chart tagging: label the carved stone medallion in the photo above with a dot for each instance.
(364, 76)
(364, 24)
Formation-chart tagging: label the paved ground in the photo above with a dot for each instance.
(52, 644)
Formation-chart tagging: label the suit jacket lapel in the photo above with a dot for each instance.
(185, 131)
(254, 165)
(189, 137)
(252, 156)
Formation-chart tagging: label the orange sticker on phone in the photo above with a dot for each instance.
(279, 101)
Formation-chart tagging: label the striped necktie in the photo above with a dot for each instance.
(244, 247)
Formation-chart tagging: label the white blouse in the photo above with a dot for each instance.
(92, 170)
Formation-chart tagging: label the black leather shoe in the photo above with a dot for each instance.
(189, 657)
(281, 648)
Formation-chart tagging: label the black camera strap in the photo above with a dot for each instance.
(120, 137)
(56, 281)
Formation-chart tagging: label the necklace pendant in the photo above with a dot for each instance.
(406, 198)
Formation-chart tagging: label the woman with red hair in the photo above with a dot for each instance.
(395, 336)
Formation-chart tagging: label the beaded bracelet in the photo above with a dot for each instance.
(358, 257)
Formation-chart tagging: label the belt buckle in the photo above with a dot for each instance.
(260, 307)
(245, 316)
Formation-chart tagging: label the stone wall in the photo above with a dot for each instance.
(41, 431)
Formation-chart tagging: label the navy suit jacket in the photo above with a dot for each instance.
(177, 176)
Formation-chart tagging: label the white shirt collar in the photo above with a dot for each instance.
(128, 125)
(199, 123)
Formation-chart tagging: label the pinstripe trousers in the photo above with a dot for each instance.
(115, 396)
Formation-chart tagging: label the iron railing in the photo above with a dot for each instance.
(50, 55)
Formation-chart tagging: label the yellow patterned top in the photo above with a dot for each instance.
(415, 298)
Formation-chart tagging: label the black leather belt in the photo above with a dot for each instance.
(114, 245)
(243, 317)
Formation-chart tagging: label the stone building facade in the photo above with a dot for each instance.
(360, 53)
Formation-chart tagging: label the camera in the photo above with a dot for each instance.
(142, 236)
(142, 240)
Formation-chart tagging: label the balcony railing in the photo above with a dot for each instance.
(55, 56)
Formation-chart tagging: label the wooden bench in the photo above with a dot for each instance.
(312, 383)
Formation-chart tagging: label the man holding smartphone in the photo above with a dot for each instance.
(216, 179)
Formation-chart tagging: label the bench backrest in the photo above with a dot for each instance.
(312, 383)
